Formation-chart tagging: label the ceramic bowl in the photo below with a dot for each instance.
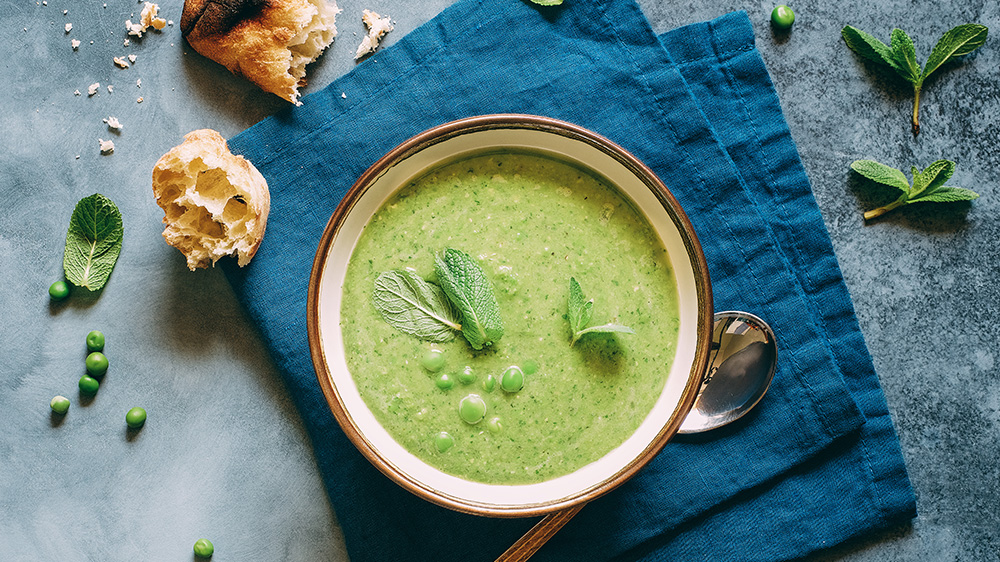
(581, 148)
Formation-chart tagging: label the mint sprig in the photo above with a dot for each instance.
(469, 290)
(580, 312)
(414, 306)
(93, 242)
(900, 54)
(927, 186)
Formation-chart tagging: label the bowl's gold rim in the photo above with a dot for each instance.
(510, 121)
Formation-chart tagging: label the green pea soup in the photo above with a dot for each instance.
(531, 222)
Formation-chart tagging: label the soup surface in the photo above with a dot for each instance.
(531, 222)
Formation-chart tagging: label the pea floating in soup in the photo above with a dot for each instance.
(530, 222)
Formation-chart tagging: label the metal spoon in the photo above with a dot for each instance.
(744, 356)
(739, 373)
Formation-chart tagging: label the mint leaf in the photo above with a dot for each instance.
(945, 194)
(93, 242)
(469, 290)
(882, 174)
(580, 309)
(901, 54)
(932, 178)
(414, 306)
(867, 46)
(579, 313)
(956, 42)
(928, 185)
(904, 55)
(603, 329)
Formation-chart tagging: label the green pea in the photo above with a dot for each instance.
(135, 417)
(512, 379)
(529, 367)
(444, 382)
(59, 404)
(782, 17)
(489, 383)
(472, 409)
(433, 360)
(97, 364)
(89, 385)
(59, 290)
(443, 441)
(466, 376)
(203, 548)
(95, 341)
(494, 425)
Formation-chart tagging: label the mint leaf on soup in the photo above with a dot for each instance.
(580, 310)
(469, 290)
(93, 242)
(414, 306)
(927, 186)
(901, 56)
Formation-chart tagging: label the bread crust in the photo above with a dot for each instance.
(268, 42)
(196, 184)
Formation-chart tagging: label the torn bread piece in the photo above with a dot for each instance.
(377, 26)
(215, 203)
(269, 42)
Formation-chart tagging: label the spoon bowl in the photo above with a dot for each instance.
(741, 366)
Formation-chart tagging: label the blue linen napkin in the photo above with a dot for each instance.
(815, 464)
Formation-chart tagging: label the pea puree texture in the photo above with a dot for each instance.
(531, 222)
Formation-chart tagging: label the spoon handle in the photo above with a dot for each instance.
(538, 535)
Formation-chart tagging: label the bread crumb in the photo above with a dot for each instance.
(138, 83)
(377, 28)
(170, 22)
(77, 156)
(92, 89)
(134, 28)
(139, 100)
(120, 62)
(125, 42)
(76, 92)
(131, 58)
(159, 23)
(110, 88)
(65, 12)
(113, 123)
(75, 43)
(68, 27)
(343, 95)
(107, 147)
(148, 13)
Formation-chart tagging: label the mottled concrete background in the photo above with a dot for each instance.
(223, 454)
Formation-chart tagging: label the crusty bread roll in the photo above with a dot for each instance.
(215, 202)
(270, 42)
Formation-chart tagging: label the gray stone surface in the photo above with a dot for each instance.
(223, 454)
